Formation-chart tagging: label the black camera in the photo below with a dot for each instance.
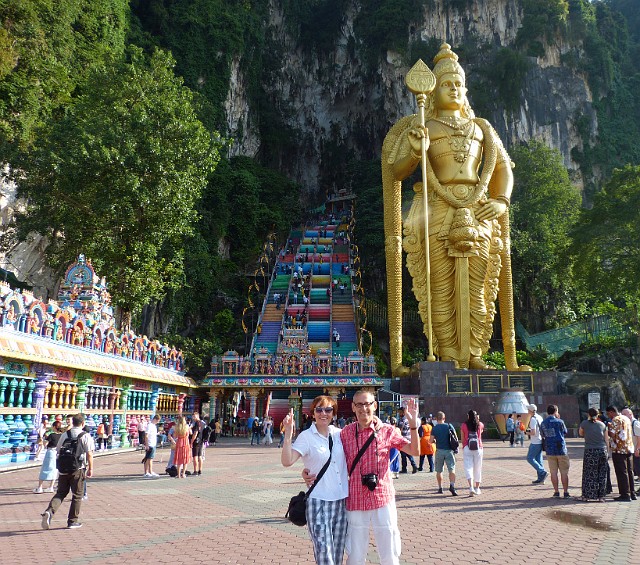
(370, 481)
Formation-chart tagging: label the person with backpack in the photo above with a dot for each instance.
(441, 435)
(75, 464)
(472, 451)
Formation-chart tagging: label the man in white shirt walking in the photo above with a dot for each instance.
(150, 444)
(534, 455)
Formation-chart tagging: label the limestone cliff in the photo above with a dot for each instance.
(333, 98)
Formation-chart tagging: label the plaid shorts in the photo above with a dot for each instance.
(327, 523)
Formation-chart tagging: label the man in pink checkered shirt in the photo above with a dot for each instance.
(372, 504)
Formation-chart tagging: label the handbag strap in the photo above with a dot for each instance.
(362, 450)
(323, 470)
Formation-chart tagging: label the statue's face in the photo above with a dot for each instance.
(450, 92)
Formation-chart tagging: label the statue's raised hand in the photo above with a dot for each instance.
(416, 135)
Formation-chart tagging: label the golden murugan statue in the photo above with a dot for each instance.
(464, 264)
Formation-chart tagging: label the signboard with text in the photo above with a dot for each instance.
(525, 382)
(459, 384)
(489, 384)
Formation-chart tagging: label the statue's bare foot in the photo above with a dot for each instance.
(477, 363)
(401, 371)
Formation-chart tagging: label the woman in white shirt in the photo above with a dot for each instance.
(326, 512)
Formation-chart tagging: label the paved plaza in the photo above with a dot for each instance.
(234, 512)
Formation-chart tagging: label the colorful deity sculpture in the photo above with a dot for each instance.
(463, 264)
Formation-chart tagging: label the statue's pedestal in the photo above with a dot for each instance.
(442, 387)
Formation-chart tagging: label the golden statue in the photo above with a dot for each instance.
(464, 263)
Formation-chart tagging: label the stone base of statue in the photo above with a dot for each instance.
(442, 387)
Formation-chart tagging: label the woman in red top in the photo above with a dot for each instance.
(472, 451)
(183, 449)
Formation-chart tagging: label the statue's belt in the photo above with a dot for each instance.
(462, 193)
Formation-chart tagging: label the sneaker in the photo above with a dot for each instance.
(85, 497)
(403, 471)
(633, 496)
(622, 499)
(537, 482)
(566, 494)
(74, 525)
(544, 477)
(50, 489)
(439, 491)
(154, 475)
(478, 491)
(199, 472)
(556, 495)
(38, 490)
(453, 491)
(148, 476)
(46, 520)
(414, 471)
(472, 492)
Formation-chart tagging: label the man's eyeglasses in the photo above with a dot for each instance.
(325, 409)
(363, 404)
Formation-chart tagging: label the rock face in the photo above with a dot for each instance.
(333, 98)
(615, 374)
(26, 260)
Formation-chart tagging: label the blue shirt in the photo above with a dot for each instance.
(441, 433)
(510, 425)
(553, 431)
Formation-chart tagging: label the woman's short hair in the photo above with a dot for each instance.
(324, 400)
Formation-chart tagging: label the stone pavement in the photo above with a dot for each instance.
(233, 513)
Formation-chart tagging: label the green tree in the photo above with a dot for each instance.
(545, 207)
(118, 178)
(606, 241)
(46, 49)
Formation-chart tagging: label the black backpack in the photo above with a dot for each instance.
(69, 461)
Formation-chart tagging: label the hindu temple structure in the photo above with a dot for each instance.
(307, 340)
(66, 356)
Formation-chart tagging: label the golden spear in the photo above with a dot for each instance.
(421, 81)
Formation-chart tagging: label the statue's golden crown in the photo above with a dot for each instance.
(446, 61)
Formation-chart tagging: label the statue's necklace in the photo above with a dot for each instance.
(460, 141)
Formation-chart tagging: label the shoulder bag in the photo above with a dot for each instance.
(453, 439)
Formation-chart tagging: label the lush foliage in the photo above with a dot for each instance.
(607, 241)
(46, 49)
(542, 18)
(538, 360)
(204, 36)
(383, 25)
(118, 177)
(545, 207)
